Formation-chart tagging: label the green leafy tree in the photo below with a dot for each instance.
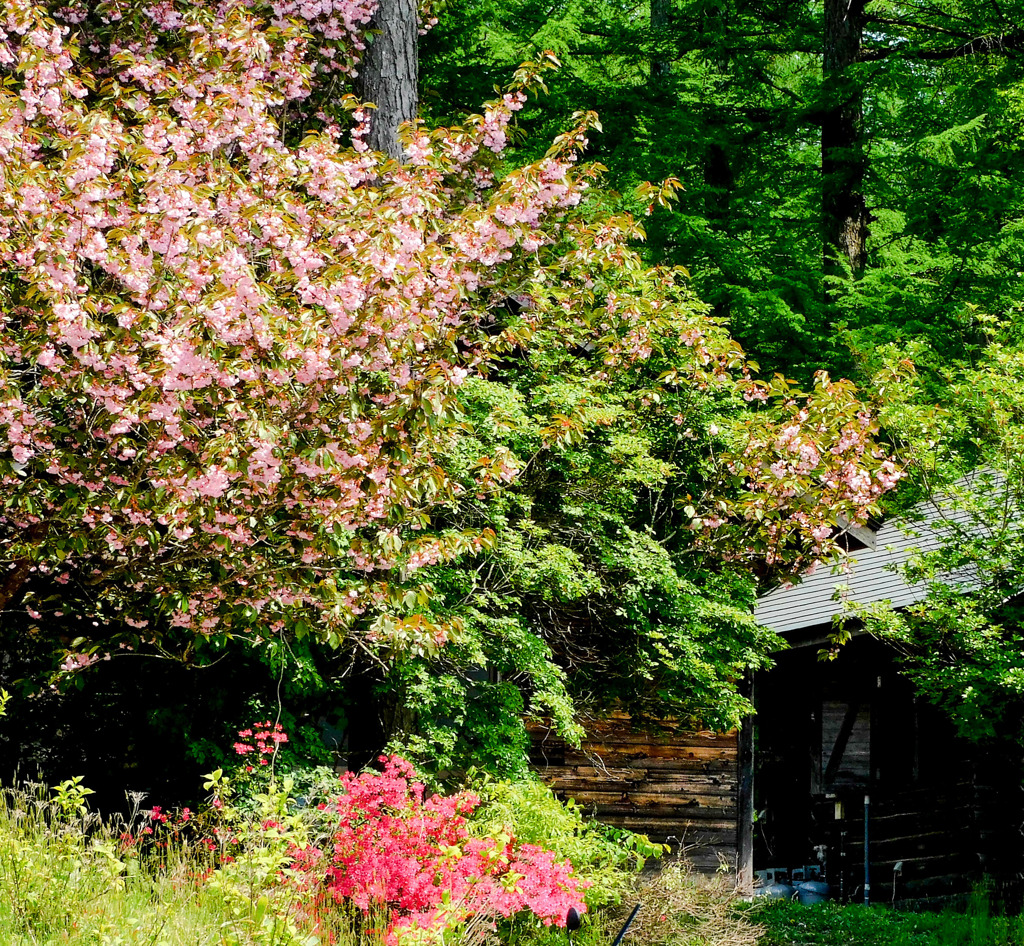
(628, 550)
(847, 169)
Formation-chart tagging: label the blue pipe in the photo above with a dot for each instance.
(867, 852)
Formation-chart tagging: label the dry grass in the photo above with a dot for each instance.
(682, 908)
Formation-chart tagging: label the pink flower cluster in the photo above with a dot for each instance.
(73, 662)
(416, 858)
(164, 828)
(265, 736)
(337, 23)
(805, 471)
(234, 351)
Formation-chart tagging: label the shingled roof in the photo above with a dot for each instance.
(865, 575)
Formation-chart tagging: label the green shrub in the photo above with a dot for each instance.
(599, 854)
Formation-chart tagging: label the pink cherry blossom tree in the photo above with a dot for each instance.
(233, 336)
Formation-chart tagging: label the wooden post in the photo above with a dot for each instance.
(745, 800)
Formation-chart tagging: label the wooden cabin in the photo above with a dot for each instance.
(832, 743)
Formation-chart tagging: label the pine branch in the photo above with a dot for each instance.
(924, 27)
(994, 44)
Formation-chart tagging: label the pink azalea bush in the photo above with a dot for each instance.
(411, 866)
(393, 849)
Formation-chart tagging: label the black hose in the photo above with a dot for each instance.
(625, 926)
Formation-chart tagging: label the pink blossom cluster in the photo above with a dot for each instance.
(338, 24)
(415, 857)
(805, 471)
(229, 351)
(265, 736)
(73, 662)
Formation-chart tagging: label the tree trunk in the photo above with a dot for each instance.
(718, 185)
(389, 73)
(844, 212)
(719, 182)
(12, 582)
(661, 67)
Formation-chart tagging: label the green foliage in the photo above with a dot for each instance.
(249, 787)
(962, 645)
(599, 854)
(731, 100)
(69, 798)
(262, 843)
(65, 877)
(613, 576)
(593, 568)
(462, 722)
(961, 660)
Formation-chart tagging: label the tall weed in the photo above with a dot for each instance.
(66, 877)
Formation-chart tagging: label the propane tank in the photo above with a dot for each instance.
(812, 891)
(773, 885)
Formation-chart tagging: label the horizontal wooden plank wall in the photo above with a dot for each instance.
(676, 786)
(931, 833)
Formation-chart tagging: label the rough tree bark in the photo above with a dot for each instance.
(13, 581)
(389, 73)
(844, 211)
(718, 184)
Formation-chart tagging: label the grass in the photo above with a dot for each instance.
(64, 879)
(828, 924)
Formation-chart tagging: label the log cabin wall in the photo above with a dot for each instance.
(676, 786)
(928, 833)
(943, 810)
